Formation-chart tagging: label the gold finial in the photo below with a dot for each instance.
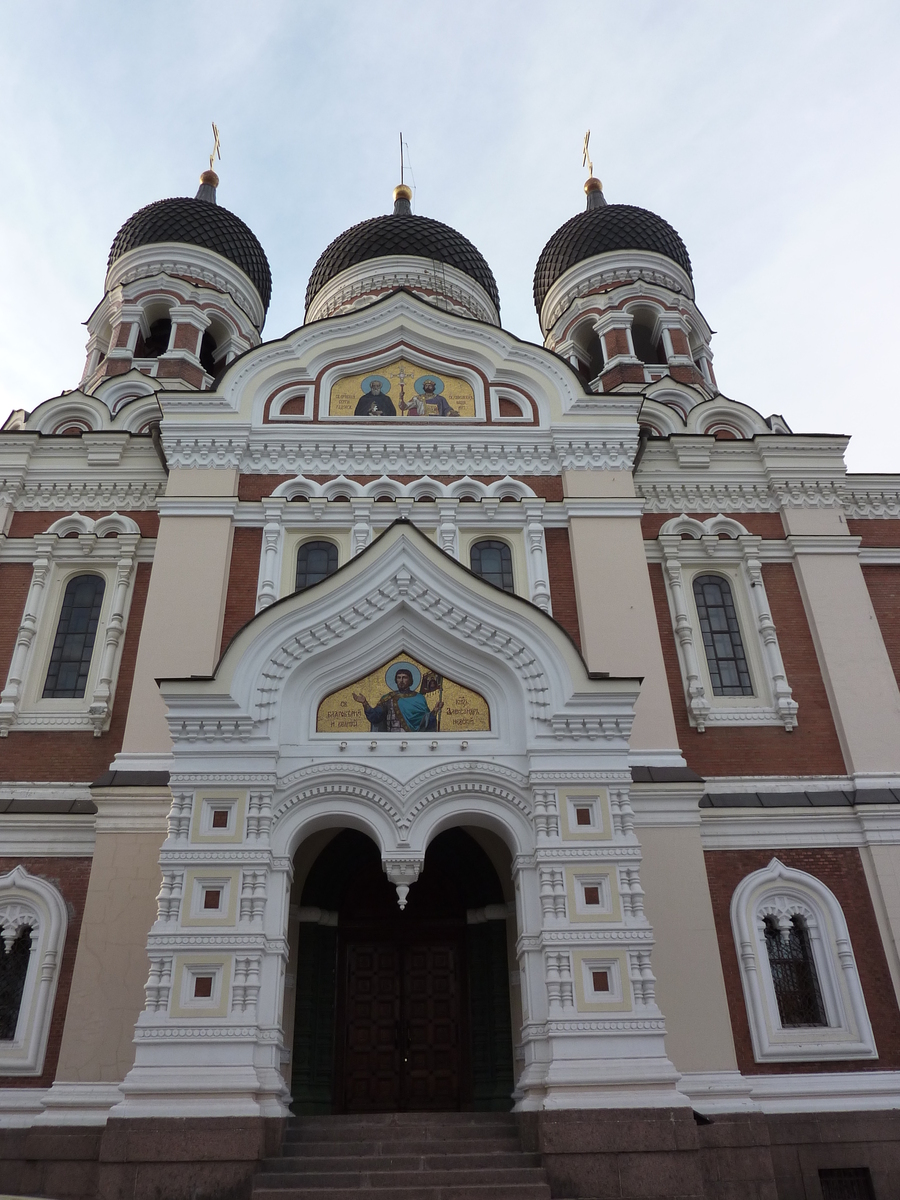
(216, 152)
(402, 192)
(585, 155)
(592, 185)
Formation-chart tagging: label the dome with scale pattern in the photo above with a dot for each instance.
(601, 230)
(198, 222)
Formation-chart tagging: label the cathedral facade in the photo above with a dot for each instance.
(401, 718)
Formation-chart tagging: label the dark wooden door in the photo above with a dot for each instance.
(372, 1027)
(402, 1036)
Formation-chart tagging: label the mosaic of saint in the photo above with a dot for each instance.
(401, 390)
(403, 696)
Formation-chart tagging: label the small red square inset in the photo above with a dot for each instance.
(600, 980)
(220, 818)
(203, 987)
(582, 816)
(592, 894)
(212, 898)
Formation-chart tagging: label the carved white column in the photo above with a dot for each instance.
(448, 530)
(267, 592)
(361, 533)
(698, 701)
(785, 706)
(536, 551)
(11, 694)
(101, 700)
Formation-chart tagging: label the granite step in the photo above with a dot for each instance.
(402, 1156)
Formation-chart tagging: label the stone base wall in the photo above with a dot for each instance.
(624, 1154)
(639, 1154)
(179, 1159)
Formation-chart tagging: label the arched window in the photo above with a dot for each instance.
(208, 353)
(804, 998)
(15, 952)
(70, 659)
(492, 561)
(794, 977)
(33, 920)
(728, 670)
(315, 562)
(156, 341)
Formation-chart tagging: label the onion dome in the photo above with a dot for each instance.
(603, 228)
(198, 222)
(404, 235)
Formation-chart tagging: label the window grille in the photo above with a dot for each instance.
(492, 561)
(315, 562)
(13, 970)
(846, 1183)
(70, 659)
(728, 670)
(794, 973)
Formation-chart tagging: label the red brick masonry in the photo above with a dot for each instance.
(842, 871)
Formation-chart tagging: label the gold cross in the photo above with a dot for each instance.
(216, 152)
(585, 155)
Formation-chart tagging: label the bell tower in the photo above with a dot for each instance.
(614, 294)
(187, 289)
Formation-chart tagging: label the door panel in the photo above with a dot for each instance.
(431, 1067)
(402, 1025)
(371, 1055)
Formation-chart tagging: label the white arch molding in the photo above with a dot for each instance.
(782, 891)
(27, 899)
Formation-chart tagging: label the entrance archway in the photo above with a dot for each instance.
(402, 1010)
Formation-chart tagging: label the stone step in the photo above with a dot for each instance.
(391, 1161)
(294, 1148)
(484, 1177)
(518, 1191)
(410, 1132)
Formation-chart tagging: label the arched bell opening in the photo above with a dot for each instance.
(401, 1009)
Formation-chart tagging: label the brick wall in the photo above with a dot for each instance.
(876, 533)
(842, 871)
(255, 487)
(562, 582)
(27, 524)
(70, 876)
(810, 749)
(56, 755)
(243, 576)
(884, 590)
(765, 525)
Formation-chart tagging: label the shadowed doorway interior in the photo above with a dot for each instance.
(402, 1010)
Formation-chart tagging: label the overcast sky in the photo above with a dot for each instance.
(766, 133)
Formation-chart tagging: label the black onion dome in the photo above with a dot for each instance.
(600, 230)
(197, 223)
(399, 233)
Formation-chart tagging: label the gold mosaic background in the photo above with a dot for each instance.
(346, 393)
(464, 711)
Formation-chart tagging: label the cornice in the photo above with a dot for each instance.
(447, 287)
(180, 260)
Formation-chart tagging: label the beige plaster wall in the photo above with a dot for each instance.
(855, 666)
(182, 626)
(882, 867)
(619, 632)
(690, 988)
(111, 966)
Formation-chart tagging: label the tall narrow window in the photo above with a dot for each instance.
(492, 561)
(315, 562)
(728, 670)
(73, 646)
(794, 973)
(14, 955)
